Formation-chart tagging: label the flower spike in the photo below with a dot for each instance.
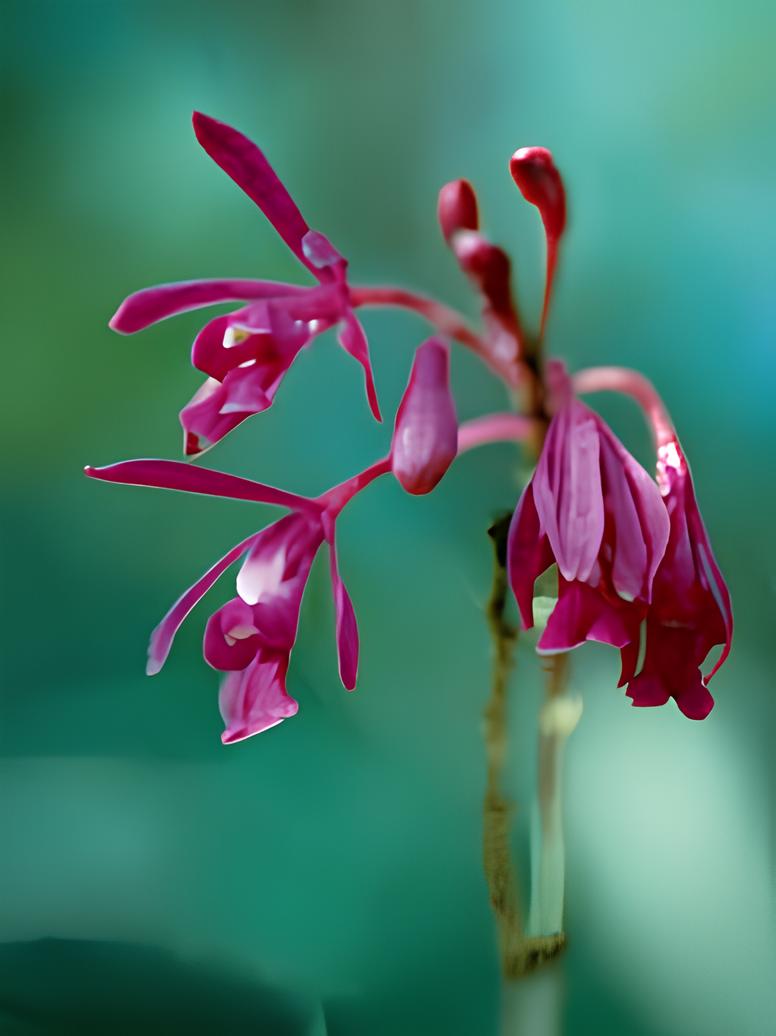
(536, 175)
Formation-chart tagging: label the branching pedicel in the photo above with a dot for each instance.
(632, 554)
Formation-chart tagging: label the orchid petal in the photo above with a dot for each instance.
(150, 305)
(188, 478)
(255, 699)
(528, 554)
(352, 338)
(246, 164)
(639, 519)
(567, 490)
(162, 637)
(346, 625)
(582, 613)
(231, 642)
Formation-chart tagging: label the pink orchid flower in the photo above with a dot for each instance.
(251, 637)
(690, 612)
(247, 353)
(593, 510)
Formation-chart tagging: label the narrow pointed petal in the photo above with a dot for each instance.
(246, 164)
(689, 587)
(457, 208)
(568, 492)
(353, 340)
(639, 519)
(346, 625)
(425, 438)
(528, 554)
(188, 478)
(629, 656)
(255, 699)
(162, 637)
(713, 575)
(535, 173)
(151, 305)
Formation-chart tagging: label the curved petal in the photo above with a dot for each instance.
(639, 520)
(581, 614)
(217, 349)
(568, 492)
(162, 637)
(203, 419)
(255, 699)
(274, 575)
(188, 478)
(712, 574)
(352, 338)
(346, 625)
(246, 164)
(230, 642)
(528, 554)
(150, 305)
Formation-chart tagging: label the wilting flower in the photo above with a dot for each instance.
(251, 637)
(247, 353)
(425, 438)
(592, 509)
(690, 611)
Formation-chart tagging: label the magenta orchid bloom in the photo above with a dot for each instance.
(593, 510)
(631, 551)
(691, 611)
(247, 353)
(250, 638)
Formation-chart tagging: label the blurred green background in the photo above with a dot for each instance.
(326, 876)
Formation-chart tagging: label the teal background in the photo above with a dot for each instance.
(326, 876)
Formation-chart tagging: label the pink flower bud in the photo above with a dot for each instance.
(425, 439)
(457, 208)
(540, 183)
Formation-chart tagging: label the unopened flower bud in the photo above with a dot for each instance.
(457, 208)
(425, 439)
(540, 183)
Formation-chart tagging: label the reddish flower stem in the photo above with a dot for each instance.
(445, 319)
(503, 427)
(629, 383)
(499, 427)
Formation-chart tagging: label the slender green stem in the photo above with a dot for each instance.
(521, 952)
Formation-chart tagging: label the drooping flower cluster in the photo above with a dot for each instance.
(633, 558)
